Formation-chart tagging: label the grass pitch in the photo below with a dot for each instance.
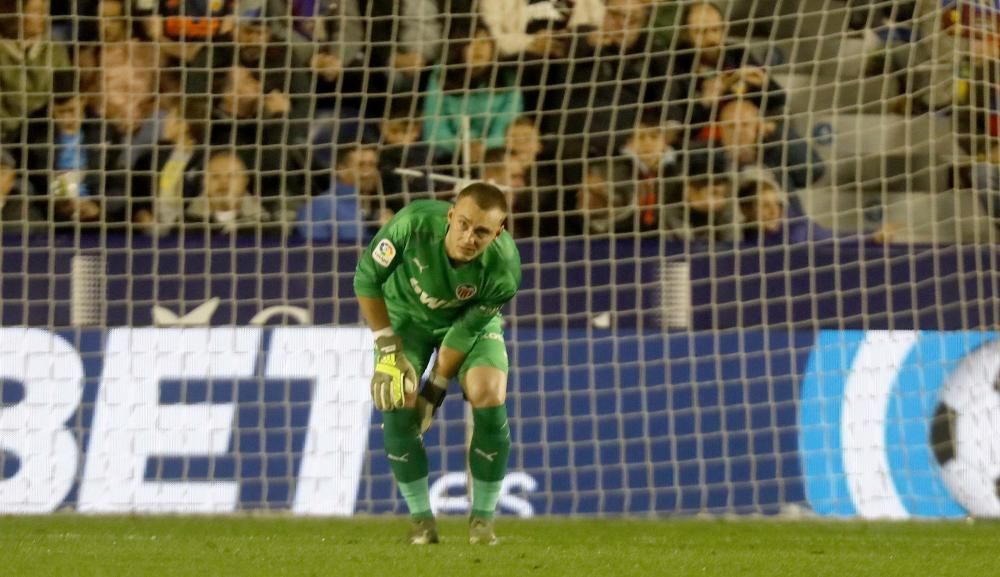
(246, 546)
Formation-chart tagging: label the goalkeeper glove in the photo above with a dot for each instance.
(431, 397)
(394, 376)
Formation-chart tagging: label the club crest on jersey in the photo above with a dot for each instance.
(384, 252)
(465, 291)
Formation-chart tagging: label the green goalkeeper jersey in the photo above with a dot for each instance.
(425, 293)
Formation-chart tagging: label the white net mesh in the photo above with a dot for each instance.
(720, 208)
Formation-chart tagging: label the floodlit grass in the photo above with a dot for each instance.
(272, 545)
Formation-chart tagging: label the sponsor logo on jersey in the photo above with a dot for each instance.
(384, 252)
(488, 310)
(465, 291)
(430, 302)
(419, 264)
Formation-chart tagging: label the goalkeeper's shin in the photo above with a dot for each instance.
(430, 398)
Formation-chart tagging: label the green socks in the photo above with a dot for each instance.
(418, 497)
(485, 495)
(407, 458)
(488, 455)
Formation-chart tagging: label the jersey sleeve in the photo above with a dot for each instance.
(383, 255)
(467, 328)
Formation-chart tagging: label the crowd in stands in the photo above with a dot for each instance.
(291, 118)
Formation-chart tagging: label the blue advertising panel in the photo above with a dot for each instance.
(223, 419)
(901, 424)
(873, 424)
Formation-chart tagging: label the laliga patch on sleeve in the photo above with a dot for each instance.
(384, 252)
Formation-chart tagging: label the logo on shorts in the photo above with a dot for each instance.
(384, 252)
(465, 291)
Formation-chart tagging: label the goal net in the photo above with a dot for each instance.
(758, 243)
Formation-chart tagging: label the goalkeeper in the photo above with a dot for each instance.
(435, 277)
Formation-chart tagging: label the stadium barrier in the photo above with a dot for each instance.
(220, 419)
(565, 283)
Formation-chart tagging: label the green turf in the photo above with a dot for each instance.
(174, 546)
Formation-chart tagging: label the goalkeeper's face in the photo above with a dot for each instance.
(471, 230)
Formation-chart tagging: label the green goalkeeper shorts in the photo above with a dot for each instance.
(489, 350)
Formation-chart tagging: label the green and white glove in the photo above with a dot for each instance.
(394, 376)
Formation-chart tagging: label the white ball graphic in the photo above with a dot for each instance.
(965, 434)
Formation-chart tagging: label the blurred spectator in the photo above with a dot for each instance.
(254, 123)
(402, 148)
(27, 60)
(665, 24)
(184, 33)
(399, 40)
(241, 96)
(169, 173)
(64, 19)
(604, 203)
(540, 195)
(326, 33)
(65, 153)
(469, 85)
(610, 75)
(126, 88)
(178, 24)
(336, 42)
(227, 204)
(770, 220)
(406, 35)
(505, 171)
(524, 142)
(534, 34)
(534, 27)
(125, 98)
(106, 22)
(533, 210)
(354, 208)
(283, 76)
(652, 153)
(650, 146)
(260, 69)
(708, 69)
(17, 213)
(401, 125)
(750, 139)
(260, 49)
(699, 200)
